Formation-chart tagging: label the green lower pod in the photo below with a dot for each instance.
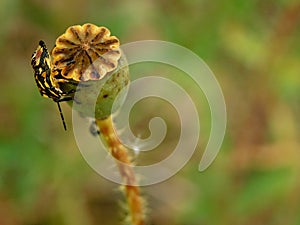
(100, 98)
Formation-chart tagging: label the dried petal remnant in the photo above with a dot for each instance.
(81, 46)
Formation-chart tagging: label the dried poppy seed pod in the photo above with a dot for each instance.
(88, 57)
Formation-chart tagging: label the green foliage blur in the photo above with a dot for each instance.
(252, 47)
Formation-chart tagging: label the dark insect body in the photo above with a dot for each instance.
(48, 87)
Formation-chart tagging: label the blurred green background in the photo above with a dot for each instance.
(252, 47)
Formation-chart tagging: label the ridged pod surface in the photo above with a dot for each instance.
(88, 57)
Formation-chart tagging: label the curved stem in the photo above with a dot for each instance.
(120, 153)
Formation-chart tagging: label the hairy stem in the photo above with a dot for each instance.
(123, 160)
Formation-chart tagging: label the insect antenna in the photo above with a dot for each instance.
(61, 116)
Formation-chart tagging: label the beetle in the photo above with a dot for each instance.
(48, 86)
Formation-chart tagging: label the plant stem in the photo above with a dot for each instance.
(123, 160)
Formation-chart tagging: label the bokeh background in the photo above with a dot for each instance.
(252, 47)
